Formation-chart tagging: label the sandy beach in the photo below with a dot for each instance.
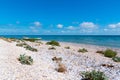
(44, 68)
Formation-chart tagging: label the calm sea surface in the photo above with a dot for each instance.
(100, 40)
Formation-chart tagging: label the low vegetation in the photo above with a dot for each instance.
(53, 43)
(24, 59)
(9, 39)
(94, 75)
(67, 47)
(28, 47)
(31, 39)
(82, 50)
(110, 53)
(52, 48)
(21, 44)
(116, 59)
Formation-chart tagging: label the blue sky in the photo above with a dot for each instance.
(60, 17)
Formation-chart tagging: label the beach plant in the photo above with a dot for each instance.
(94, 75)
(82, 50)
(116, 59)
(101, 52)
(21, 44)
(53, 43)
(24, 59)
(110, 53)
(52, 48)
(67, 47)
(31, 39)
(28, 47)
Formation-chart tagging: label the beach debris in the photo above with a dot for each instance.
(83, 50)
(52, 48)
(53, 43)
(24, 59)
(107, 65)
(67, 47)
(57, 59)
(101, 52)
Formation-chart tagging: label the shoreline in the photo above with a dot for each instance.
(83, 44)
(107, 41)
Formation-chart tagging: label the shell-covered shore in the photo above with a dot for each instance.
(44, 68)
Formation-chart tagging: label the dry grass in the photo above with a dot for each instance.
(61, 68)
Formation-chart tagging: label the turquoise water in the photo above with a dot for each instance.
(107, 40)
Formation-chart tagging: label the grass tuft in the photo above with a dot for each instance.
(25, 59)
(28, 47)
(94, 75)
(116, 59)
(53, 43)
(82, 50)
(31, 39)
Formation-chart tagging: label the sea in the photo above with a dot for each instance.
(99, 40)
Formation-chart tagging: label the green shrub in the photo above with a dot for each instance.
(101, 52)
(52, 48)
(25, 59)
(21, 44)
(31, 39)
(67, 47)
(53, 43)
(82, 50)
(94, 75)
(30, 48)
(110, 53)
(116, 59)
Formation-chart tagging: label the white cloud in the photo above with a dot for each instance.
(37, 24)
(88, 25)
(114, 25)
(59, 26)
(70, 28)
